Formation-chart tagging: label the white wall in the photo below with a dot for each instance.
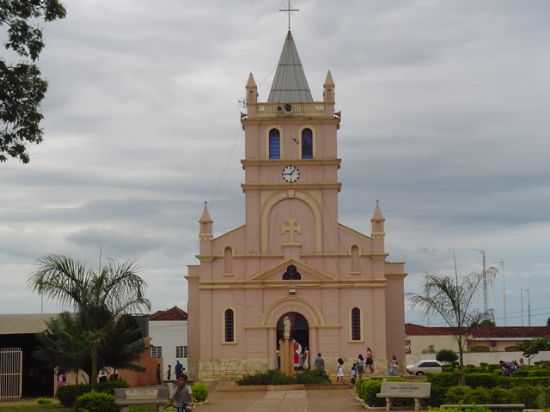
(475, 358)
(169, 334)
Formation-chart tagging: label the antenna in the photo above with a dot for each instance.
(504, 314)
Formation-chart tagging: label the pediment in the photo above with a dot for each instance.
(307, 272)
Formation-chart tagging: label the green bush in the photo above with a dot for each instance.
(527, 395)
(479, 395)
(312, 377)
(368, 390)
(110, 386)
(200, 392)
(477, 409)
(457, 394)
(487, 380)
(543, 400)
(446, 355)
(271, 377)
(440, 385)
(44, 401)
(67, 395)
(96, 402)
(501, 395)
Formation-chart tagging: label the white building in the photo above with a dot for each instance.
(168, 333)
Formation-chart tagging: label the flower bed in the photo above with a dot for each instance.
(275, 377)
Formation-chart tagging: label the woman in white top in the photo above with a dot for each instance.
(340, 371)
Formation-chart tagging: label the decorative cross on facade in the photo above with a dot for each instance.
(289, 9)
(292, 228)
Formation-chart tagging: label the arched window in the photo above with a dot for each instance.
(228, 260)
(356, 324)
(307, 144)
(229, 326)
(355, 259)
(274, 144)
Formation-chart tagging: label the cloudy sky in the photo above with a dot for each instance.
(445, 119)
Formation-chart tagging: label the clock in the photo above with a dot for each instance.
(290, 174)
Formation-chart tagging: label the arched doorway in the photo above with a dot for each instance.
(299, 331)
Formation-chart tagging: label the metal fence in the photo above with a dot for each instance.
(11, 373)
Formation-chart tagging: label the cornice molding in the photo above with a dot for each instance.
(283, 162)
(286, 186)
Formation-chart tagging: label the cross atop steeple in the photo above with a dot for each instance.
(289, 9)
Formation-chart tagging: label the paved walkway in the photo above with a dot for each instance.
(283, 401)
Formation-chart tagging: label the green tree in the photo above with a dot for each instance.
(22, 87)
(102, 300)
(532, 347)
(452, 300)
(446, 355)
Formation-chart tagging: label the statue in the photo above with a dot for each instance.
(292, 273)
(286, 328)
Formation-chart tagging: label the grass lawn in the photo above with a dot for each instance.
(33, 406)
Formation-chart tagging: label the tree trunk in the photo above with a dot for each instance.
(460, 360)
(93, 356)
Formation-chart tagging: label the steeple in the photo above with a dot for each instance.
(377, 222)
(205, 222)
(290, 83)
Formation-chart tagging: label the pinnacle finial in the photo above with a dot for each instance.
(328, 80)
(251, 83)
(377, 213)
(205, 217)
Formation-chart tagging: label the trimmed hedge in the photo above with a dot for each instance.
(96, 402)
(275, 377)
(68, 395)
(530, 396)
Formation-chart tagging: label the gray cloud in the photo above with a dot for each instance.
(444, 119)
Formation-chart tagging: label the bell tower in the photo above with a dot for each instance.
(291, 163)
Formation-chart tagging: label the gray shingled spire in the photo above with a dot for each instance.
(290, 83)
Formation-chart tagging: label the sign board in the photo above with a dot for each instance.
(405, 390)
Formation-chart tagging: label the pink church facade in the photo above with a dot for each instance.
(292, 256)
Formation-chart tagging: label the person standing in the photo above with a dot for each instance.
(340, 371)
(319, 363)
(159, 377)
(169, 373)
(183, 396)
(369, 362)
(394, 366)
(178, 369)
(353, 374)
(360, 364)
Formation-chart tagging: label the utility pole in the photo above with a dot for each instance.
(504, 314)
(522, 317)
(484, 280)
(528, 307)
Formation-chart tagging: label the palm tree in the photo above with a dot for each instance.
(100, 300)
(452, 300)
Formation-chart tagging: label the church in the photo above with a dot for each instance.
(292, 259)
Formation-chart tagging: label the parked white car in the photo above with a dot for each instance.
(425, 366)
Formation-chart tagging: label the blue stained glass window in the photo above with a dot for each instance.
(307, 144)
(274, 144)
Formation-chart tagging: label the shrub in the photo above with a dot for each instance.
(457, 394)
(200, 392)
(96, 402)
(479, 395)
(110, 386)
(67, 395)
(487, 380)
(368, 390)
(312, 377)
(271, 377)
(477, 409)
(440, 385)
(527, 395)
(543, 400)
(446, 355)
(44, 401)
(501, 395)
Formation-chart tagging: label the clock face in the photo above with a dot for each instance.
(291, 174)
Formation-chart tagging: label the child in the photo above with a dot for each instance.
(394, 366)
(353, 374)
(183, 397)
(340, 371)
(370, 360)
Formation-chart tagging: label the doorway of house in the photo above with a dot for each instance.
(299, 330)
